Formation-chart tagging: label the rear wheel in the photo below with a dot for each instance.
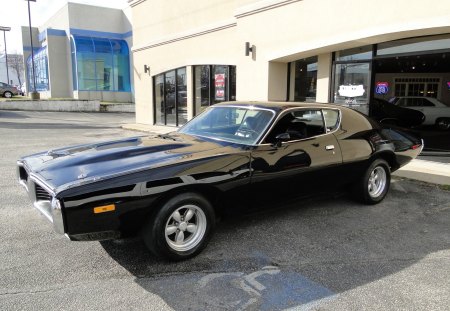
(181, 228)
(7, 94)
(374, 185)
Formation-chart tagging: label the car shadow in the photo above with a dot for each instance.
(36, 126)
(4, 114)
(305, 251)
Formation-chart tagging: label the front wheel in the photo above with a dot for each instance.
(374, 185)
(8, 94)
(181, 228)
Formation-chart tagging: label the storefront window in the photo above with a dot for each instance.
(159, 100)
(213, 84)
(170, 97)
(359, 53)
(40, 71)
(305, 80)
(414, 45)
(101, 64)
(351, 85)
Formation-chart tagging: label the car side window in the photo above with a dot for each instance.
(331, 117)
(299, 124)
(427, 103)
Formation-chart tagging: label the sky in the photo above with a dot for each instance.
(14, 14)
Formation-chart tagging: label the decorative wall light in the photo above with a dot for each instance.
(248, 48)
(147, 69)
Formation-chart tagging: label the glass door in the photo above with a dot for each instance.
(352, 85)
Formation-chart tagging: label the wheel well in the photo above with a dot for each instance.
(211, 193)
(389, 157)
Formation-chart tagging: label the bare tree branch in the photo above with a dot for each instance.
(15, 62)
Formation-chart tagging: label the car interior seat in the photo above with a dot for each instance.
(297, 130)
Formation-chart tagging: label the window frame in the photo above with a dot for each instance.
(290, 110)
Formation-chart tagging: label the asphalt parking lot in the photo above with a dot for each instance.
(326, 253)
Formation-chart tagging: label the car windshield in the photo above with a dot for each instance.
(243, 125)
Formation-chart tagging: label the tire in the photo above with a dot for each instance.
(443, 124)
(374, 185)
(170, 235)
(8, 94)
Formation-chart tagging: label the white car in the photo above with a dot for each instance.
(436, 113)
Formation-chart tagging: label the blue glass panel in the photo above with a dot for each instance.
(102, 64)
(84, 44)
(40, 71)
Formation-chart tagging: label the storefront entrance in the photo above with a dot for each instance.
(403, 83)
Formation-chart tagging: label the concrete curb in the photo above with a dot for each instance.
(66, 106)
(427, 171)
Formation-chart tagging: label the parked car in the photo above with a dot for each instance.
(23, 89)
(386, 113)
(7, 90)
(436, 112)
(171, 188)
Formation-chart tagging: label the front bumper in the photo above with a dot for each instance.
(42, 196)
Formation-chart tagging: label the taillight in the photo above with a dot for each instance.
(414, 147)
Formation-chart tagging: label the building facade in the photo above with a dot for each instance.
(81, 52)
(192, 54)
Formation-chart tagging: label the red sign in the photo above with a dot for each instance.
(219, 83)
(381, 88)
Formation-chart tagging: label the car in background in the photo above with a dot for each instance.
(23, 89)
(171, 188)
(386, 113)
(436, 113)
(7, 90)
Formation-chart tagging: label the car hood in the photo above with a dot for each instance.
(87, 163)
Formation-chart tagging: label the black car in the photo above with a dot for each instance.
(171, 188)
(388, 113)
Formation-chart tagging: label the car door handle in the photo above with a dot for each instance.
(329, 147)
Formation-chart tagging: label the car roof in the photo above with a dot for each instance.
(278, 106)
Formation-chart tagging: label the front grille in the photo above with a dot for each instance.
(41, 194)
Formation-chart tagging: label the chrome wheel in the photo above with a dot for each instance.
(185, 228)
(443, 123)
(8, 94)
(377, 181)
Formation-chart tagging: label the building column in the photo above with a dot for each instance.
(190, 92)
(277, 85)
(323, 78)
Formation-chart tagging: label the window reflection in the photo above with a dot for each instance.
(101, 64)
(170, 97)
(213, 84)
(40, 71)
(305, 80)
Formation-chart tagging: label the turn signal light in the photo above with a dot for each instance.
(104, 209)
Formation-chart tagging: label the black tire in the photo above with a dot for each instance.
(7, 94)
(374, 184)
(201, 217)
(443, 124)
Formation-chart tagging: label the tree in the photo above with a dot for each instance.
(15, 62)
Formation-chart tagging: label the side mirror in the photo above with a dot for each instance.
(280, 138)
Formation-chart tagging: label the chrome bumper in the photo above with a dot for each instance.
(47, 206)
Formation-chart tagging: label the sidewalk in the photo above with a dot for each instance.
(422, 170)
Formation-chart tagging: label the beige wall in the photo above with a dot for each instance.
(172, 34)
(58, 51)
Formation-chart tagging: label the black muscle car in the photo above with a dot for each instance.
(170, 188)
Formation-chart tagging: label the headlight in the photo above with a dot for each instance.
(57, 215)
(56, 205)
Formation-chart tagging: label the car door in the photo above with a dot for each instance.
(307, 160)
